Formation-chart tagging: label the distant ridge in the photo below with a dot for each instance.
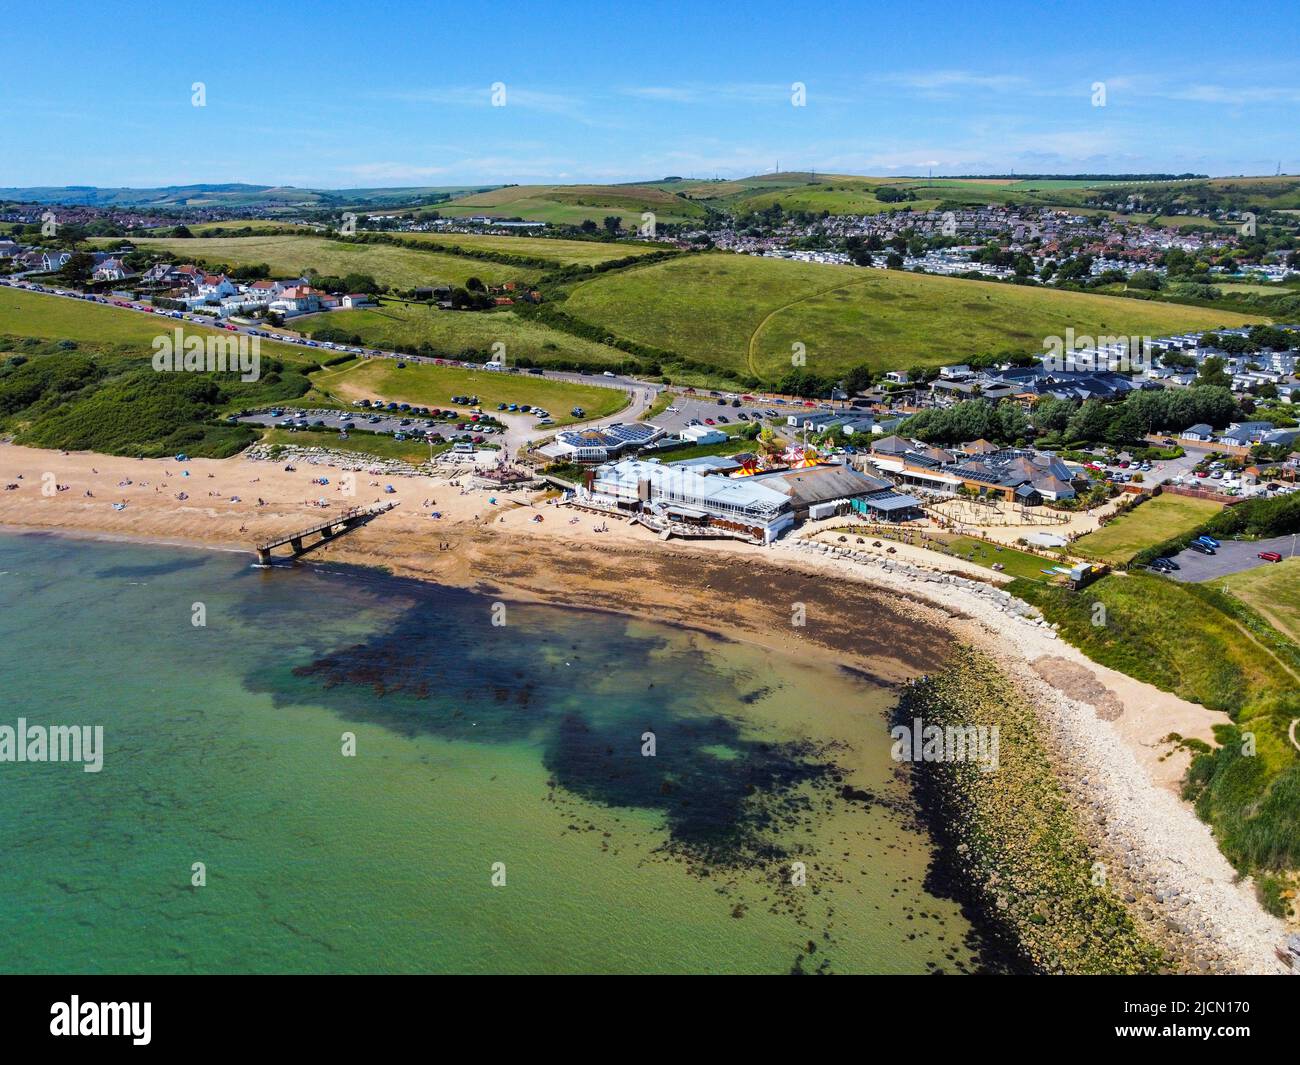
(226, 195)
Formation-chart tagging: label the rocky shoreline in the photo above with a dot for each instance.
(1160, 861)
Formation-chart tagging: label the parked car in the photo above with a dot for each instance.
(1168, 562)
(1270, 556)
(1204, 549)
(1209, 540)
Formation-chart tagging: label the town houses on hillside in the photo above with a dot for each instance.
(185, 286)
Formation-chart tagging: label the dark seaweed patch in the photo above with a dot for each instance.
(727, 798)
(151, 569)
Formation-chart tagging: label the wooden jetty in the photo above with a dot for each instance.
(328, 529)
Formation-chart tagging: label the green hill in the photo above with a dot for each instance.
(287, 256)
(572, 204)
(743, 314)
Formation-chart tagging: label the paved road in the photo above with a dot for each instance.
(1233, 557)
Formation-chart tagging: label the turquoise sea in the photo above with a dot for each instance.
(482, 751)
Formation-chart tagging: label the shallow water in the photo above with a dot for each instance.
(479, 747)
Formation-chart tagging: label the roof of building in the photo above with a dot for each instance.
(709, 463)
(677, 482)
(890, 502)
(819, 484)
(611, 436)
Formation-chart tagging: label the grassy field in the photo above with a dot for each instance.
(1209, 648)
(433, 386)
(454, 332)
(262, 225)
(838, 195)
(1273, 591)
(31, 314)
(376, 444)
(1014, 563)
(290, 256)
(573, 204)
(561, 252)
(1152, 522)
(745, 313)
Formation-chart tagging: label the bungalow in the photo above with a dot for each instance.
(357, 299)
(1200, 432)
(1245, 433)
(1279, 436)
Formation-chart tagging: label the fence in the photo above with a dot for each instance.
(1201, 493)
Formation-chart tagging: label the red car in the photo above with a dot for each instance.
(1269, 556)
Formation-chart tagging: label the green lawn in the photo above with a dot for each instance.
(31, 314)
(377, 444)
(433, 386)
(1152, 522)
(561, 252)
(1273, 590)
(745, 313)
(1014, 563)
(290, 256)
(453, 333)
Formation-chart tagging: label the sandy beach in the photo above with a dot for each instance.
(1108, 729)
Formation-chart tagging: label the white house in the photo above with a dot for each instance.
(300, 299)
(111, 270)
(215, 286)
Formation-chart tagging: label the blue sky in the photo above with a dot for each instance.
(339, 95)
